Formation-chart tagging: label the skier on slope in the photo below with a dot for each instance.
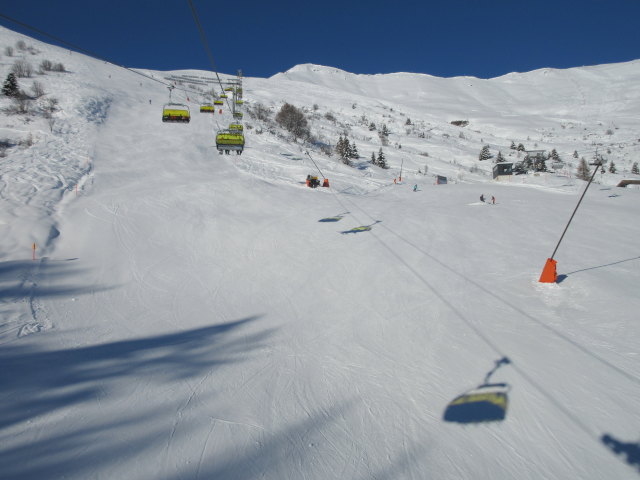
(482, 197)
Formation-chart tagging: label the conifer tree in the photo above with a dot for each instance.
(353, 153)
(583, 172)
(382, 163)
(554, 155)
(520, 148)
(575, 154)
(499, 158)
(408, 122)
(612, 167)
(485, 154)
(513, 145)
(539, 163)
(634, 169)
(373, 159)
(345, 150)
(10, 87)
(340, 147)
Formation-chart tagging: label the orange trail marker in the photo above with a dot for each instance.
(549, 272)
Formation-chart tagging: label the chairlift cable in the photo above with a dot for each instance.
(316, 165)
(205, 43)
(83, 50)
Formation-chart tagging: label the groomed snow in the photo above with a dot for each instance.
(191, 315)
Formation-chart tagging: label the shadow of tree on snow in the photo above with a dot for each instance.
(46, 386)
(19, 278)
(23, 282)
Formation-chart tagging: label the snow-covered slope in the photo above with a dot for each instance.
(191, 315)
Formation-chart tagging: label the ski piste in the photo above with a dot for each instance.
(187, 315)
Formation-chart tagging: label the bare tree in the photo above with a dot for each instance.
(46, 65)
(50, 105)
(293, 120)
(20, 105)
(37, 89)
(26, 142)
(22, 68)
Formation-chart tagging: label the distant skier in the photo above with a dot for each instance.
(415, 187)
(482, 197)
(493, 200)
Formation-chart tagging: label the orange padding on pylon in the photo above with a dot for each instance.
(549, 272)
(325, 183)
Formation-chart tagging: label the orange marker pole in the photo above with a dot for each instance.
(549, 271)
(33, 257)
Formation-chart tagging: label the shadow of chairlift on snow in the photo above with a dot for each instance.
(362, 228)
(630, 451)
(487, 402)
(337, 218)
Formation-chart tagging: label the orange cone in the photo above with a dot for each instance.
(549, 272)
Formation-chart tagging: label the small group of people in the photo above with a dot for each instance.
(313, 181)
(493, 199)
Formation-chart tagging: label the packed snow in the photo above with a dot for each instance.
(168, 312)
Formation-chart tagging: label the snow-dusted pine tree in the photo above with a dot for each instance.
(353, 151)
(485, 154)
(583, 172)
(382, 163)
(10, 87)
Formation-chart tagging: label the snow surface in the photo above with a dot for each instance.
(191, 315)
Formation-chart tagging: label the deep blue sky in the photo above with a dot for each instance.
(482, 38)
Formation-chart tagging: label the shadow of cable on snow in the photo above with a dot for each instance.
(563, 277)
(42, 385)
(629, 450)
(500, 299)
